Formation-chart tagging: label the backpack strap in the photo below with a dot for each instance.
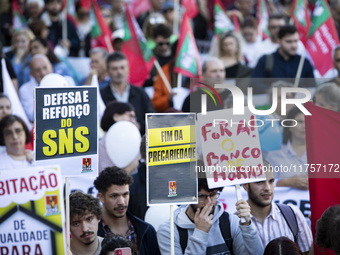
(225, 230)
(290, 217)
(268, 65)
(183, 237)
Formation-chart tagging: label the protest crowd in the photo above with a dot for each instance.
(163, 56)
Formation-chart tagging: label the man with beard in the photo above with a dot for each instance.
(283, 63)
(213, 72)
(113, 187)
(85, 213)
(53, 20)
(270, 219)
(206, 229)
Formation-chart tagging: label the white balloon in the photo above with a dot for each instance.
(122, 143)
(53, 80)
(156, 215)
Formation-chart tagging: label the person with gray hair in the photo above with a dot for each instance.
(34, 9)
(213, 72)
(40, 66)
(336, 64)
(98, 57)
(328, 96)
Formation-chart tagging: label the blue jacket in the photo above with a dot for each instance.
(146, 235)
(281, 69)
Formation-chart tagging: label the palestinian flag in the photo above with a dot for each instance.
(139, 6)
(19, 20)
(263, 18)
(322, 37)
(301, 18)
(190, 8)
(187, 57)
(70, 7)
(140, 57)
(222, 22)
(100, 32)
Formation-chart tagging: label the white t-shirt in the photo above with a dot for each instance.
(8, 163)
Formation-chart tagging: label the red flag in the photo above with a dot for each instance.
(263, 18)
(322, 37)
(100, 32)
(187, 57)
(139, 6)
(190, 8)
(323, 150)
(135, 48)
(19, 20)
(301, 17)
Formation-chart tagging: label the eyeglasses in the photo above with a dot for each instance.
(16, 131)
(213, 196)
(163, 43)
(157, 20)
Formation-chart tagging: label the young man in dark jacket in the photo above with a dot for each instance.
(113, 186)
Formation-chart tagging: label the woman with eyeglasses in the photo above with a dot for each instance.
(14, 134)
(115, 112)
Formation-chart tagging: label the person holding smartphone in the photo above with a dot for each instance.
(205, 228)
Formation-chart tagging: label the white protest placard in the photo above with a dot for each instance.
(66, 129)
(231, 148)
(32, 216)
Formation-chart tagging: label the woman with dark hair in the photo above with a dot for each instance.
(115, 112)
(14, 134)
(40, 45)
(292, 154)
(113, 241)
(282, 246)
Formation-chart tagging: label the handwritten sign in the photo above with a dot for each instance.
(231, 148)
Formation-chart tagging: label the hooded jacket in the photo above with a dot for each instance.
(245, 238)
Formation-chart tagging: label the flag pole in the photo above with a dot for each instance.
(162, 74)
(172, 232)
(239, 197)
(176, 18)
(179, 81)
(67, 198)
(64, 24)
(108, 44)
(299, 71)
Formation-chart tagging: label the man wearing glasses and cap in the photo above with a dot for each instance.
(205, 228)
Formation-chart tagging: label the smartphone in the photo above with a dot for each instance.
(122, 251)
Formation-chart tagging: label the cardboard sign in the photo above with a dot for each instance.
(171, 159)
(231, 148)
(32, 211)
(66, 129)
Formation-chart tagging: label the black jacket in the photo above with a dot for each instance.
(137, 204)
(138, 98)
(146, 235)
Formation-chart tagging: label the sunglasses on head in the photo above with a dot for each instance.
(163, 43)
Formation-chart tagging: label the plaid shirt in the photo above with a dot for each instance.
(130, 234)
